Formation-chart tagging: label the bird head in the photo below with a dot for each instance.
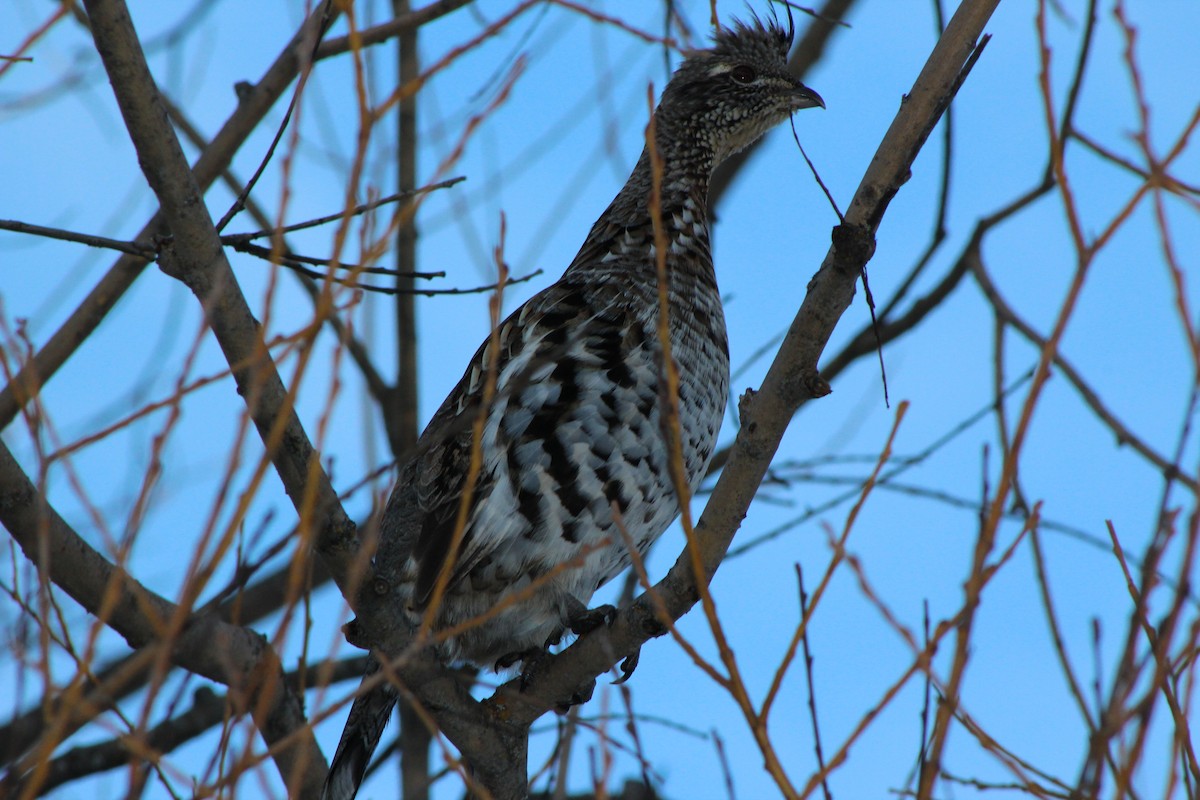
(726, 97)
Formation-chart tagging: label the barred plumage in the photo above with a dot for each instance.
(575, 426)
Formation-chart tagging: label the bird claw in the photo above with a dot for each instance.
(528, 658)
(589, 619)
(534, 661)
(578, 698)
(628, 666)
(585, 620)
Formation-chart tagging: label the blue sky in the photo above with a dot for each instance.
(549, 160)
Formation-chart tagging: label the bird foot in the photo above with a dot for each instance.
(526, 657)
(534, 661)
(588, 619)
(578, 697)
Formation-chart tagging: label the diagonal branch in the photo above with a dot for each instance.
(253, 105)
(1123, 434)
(195, 256)
(254, 101)
(207, 646)
(208, 709)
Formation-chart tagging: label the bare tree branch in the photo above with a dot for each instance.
(196, 257)
(253, 104)
(204, 645)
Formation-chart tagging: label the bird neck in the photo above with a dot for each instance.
(622, 241)
(682, 183)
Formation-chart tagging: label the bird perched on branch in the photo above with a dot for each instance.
(572, 462)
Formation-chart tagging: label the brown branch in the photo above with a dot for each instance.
(296, 263)
(406, 193)
(132, 248)
(358, 350)
(808, 679)
(334, 46)
(207, 646)
(1169, 183)
(1067, 126)
(794, 380)
(1159, 639)
(1124, 435)
(328, 13)
(196, 257)
(17, 55)
(254, 103)
(354, 346)
(129, 674)
(399, 405)
(864, 342)
(207, 710)
(1085, 252)
(1114, 713)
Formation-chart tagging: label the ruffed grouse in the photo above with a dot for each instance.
(575, 424)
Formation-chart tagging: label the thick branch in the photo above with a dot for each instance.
(208, 709)
(124, 676)
(253, 104)
(254, 101)
(196, 257)
(399, 405)
(221, 652)
(792, 378)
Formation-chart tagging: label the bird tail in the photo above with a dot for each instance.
(368, 717)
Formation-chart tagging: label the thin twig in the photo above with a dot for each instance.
(1089, 395)
(362, 208)
(812, 695)
(307, 59)
(903, 465)
(108, 291)
(723, 760)
(132, 248)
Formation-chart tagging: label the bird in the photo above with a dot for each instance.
(571, 459)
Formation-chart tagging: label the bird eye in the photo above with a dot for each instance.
(743, 73)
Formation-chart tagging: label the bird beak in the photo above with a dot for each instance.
(804, 97)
